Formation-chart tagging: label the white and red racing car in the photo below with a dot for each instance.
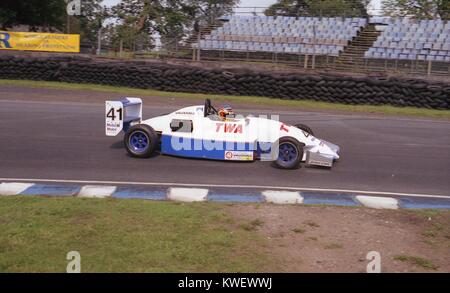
(204, 132)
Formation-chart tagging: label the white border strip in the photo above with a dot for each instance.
(13, 188)
(227, 186)
(378, 202)
(282, 197)
(187, 194)
(96, 191)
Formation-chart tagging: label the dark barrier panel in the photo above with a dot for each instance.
(326, 88)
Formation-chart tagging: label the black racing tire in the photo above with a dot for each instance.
(305, 128)
(291, 143)
(141, 135)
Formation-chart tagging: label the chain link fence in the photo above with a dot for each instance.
(350, 59)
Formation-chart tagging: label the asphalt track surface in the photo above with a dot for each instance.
(59, 134)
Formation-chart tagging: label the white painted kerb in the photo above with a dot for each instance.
(282, 197)
(96, 191)
(13, 188)
(187, 194)
(378, 202)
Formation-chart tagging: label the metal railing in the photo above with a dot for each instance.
(351, 59)
(305, 61)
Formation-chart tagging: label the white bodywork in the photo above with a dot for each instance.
(241, 138)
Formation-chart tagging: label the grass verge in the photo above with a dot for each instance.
(112, 235)
(304, 104)
(415, 260)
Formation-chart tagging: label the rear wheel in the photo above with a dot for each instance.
(305, 128)
(290, 153)
(141, 141)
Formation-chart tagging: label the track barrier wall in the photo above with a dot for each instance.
(292, 86)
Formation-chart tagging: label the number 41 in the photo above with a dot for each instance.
(111, 113)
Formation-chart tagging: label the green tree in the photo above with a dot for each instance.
(207, 11)
(326, 8)
(135, 17)
(288, 8)
(171, 19)
(93, 15)
(332, 8)
(203, 13)
(171, 26)
(420, 9)
(48, 14)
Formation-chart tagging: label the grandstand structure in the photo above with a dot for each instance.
(372, 44)
(304, 35)
(412, 40)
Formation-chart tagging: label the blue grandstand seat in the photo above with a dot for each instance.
(422, 40)
(285, 34)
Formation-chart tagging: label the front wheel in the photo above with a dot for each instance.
(141, 141)
(290, 153)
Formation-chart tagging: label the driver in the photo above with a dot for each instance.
(225, 112)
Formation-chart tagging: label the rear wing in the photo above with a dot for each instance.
(121, 115)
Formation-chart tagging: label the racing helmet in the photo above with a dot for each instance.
(226, 112)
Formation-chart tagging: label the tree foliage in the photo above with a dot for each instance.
(207, 11)
(47, 14)
(171, 19)
(325, 8)
(420, 9)
(93, 15)
(288, 8)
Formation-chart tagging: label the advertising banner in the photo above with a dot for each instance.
(28, 41)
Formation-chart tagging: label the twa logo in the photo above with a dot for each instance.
(284, 127)
(228, 128)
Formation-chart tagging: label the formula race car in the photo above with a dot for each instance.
(204, 132)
